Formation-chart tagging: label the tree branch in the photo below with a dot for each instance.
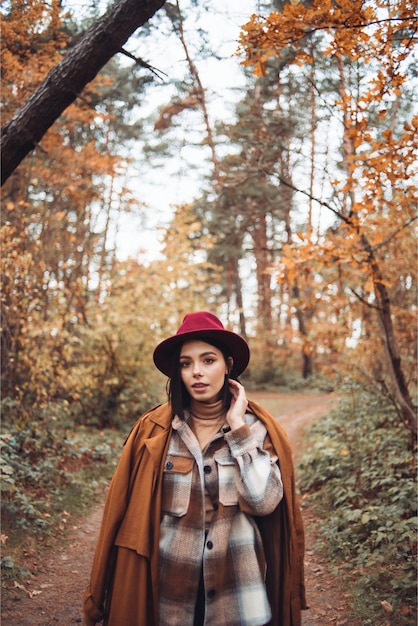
(314, 199)
(347, 220)
(337, 25)
(68, 78)
(395, 233)
(363, 301)
(143, 63)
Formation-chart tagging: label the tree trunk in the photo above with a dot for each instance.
(240, 303)
(401, 393)
(66, 80)
(393, 359)
(262, 262)
(307, 364)
(234, 294)
(307, 359)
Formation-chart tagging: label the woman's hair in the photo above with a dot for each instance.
(178, 395)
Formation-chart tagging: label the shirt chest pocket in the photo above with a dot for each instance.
(227, 474)
(177, 485)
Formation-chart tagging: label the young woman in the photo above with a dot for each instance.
(201, 524)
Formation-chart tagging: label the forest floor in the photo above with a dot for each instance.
(54, 595)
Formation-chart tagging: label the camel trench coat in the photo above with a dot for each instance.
(125, 572)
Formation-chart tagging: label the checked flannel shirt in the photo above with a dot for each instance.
(239, 471)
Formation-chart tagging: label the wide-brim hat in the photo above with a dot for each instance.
(202, 325)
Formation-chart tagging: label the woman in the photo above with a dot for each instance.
(201, 524)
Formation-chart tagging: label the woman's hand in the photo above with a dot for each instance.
(239, 404)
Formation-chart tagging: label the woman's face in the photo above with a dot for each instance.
(202, 369)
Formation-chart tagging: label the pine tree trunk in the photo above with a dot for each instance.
(263, 262)
(66, 80)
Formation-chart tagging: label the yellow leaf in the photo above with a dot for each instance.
(387, 606)
(19, 586)
(259, 69)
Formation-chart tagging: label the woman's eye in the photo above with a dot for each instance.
(208, 360)
(184, 364)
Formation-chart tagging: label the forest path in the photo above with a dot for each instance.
(54, 595)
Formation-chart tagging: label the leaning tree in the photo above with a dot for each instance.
(66, 80)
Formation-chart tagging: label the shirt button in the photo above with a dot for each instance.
(207, 469)
(209, 545)
(211, 593)
(169, 465)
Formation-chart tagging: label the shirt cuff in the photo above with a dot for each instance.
(241, 440)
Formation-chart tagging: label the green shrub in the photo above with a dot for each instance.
(50, 475)
(39, 465)
(361, 477)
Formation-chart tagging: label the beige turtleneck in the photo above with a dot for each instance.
(206, 420)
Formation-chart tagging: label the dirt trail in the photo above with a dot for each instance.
(54, 595)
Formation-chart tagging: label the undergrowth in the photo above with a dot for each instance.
(50, 476)
(361, 477)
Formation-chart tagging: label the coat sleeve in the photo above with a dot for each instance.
(138, 464)
(117, 499)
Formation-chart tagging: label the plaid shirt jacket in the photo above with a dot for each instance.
(239, 471)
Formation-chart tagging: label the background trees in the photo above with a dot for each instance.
(372, 199)
(301, 234)
(60, 211)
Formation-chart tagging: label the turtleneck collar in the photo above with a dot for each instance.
(207, 412)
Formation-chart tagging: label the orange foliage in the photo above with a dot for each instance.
(353, 29)
(375, 201)
(31, 44)
(53, 229)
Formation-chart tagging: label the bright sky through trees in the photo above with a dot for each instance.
(174, 182)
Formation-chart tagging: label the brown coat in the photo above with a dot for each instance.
(124, 578)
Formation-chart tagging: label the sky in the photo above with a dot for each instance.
(221, 74)
(176, 183)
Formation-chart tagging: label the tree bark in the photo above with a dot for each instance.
(263, 261)
(66, 80)
(393, 359)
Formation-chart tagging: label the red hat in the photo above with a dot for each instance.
(202, 325)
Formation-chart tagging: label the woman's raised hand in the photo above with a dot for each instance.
(239, 404)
